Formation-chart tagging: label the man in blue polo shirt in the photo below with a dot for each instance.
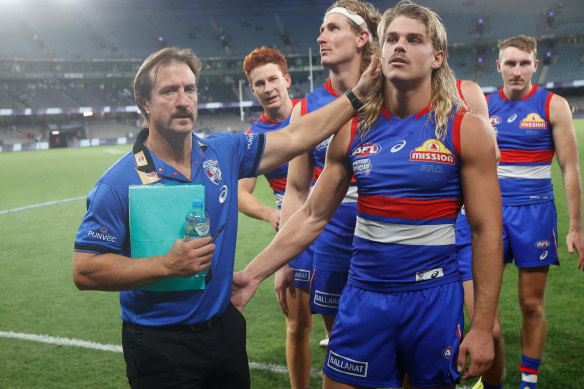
(193, 337)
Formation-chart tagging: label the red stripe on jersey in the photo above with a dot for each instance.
(459, 89)
(456, 131)
(278, 184)
(408, 208)
(525, 156)
(329, 87)
(529, 370)
(317, 173)
(547, 106)
(354, 128)
(303, 107)
(531, 92)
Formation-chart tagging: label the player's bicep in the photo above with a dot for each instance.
(480, 185)
(332, 185)
(564, 135)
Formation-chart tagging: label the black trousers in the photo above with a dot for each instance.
(206, 355)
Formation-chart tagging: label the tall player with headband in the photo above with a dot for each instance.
(347, 40)
(415, 154)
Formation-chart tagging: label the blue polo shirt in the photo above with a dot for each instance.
(217, 162)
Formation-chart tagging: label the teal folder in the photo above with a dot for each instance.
(157, 219)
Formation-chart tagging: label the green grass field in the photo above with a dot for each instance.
(39, 298)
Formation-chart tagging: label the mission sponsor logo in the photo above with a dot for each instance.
(533, 120)
(495, 120)
(328, 300)
(366, 150)
(432, 151)
(346, 365)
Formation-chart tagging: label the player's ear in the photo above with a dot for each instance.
(145, 104)
(288, 80)
(438, 59)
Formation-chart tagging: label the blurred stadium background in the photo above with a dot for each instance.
(67, 66)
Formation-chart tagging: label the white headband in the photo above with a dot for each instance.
(357, 19)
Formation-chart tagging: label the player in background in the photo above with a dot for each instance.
(532, 124)
(414, 154)
(270, 81)
(471, 93)
(347, 39)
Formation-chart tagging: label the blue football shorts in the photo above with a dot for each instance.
(325, 291)
(302, 268)
(530, 234)
(378, 337)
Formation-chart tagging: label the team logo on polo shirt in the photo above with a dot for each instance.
(346, 365)
(432, 151)
(533, 120)
(212, 171)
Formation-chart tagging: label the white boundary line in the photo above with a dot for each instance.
(279, 369)
(41, 205)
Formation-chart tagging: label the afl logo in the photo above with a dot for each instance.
(223, 194)
(542, 244)
(447, 352)
(495, 120)
(366, 150)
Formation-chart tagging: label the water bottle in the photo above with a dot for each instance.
(196, 222)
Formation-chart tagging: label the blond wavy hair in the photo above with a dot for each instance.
(444, 96)
(372, 17)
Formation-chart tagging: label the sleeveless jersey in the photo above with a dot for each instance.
(333, 247)
(409, 196)
(524, 136)
(277, 177)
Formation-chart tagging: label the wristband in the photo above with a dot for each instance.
(355, 102)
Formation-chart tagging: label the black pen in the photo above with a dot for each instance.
(217, 233)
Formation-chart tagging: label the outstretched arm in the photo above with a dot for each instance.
(482, 199)
(298, 183)
(304, 226)
(566, 147)
(309, 130)
(249, 205)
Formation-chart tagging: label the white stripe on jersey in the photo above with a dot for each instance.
(415, 235)
(351, 196)
(526, 172)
